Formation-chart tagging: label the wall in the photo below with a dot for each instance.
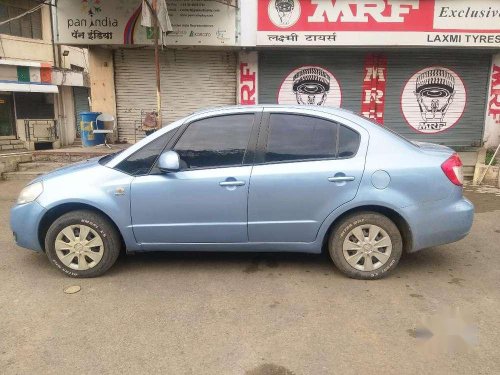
(13, 47)
(66, 115)
(492, 123)
(76, 56)
(102, 80)
(248, 23)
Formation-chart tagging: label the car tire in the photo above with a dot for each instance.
(82, 257)
(355, 252)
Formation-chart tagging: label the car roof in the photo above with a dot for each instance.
(334, 110)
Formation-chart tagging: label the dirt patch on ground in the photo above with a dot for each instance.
(485, 198)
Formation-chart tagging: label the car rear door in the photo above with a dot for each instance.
(206, 201)
(306, 167)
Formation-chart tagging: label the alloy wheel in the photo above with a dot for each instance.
(367, 247)
(79, 247)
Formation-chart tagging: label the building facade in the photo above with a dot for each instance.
(39, 81)
(421, 68)
(429, 70)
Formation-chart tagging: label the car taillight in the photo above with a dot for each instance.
(452, 168)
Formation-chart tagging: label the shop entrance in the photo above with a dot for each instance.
(6, 115)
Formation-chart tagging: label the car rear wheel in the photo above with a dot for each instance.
(82, 244)
(365, 245)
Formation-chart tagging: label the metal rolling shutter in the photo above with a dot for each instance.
(348, 69)
(473, 69)
(191, 80)
(80, 95)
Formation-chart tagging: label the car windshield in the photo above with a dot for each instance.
(107, 158)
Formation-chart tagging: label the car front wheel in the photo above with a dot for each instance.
(82, 244)
(366, 245)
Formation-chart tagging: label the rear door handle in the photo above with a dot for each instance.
(232, 183)
(341, 178)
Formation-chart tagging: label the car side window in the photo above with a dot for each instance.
(140, 162)
(296, 137)
(215, 142)
(348, 142)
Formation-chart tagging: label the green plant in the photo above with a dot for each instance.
(489, 154)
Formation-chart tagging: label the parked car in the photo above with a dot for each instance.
(255, 178)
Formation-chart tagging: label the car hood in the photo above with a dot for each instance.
(71, 168)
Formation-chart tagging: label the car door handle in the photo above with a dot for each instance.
(341, 178)
(232, 183)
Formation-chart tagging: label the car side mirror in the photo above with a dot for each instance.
(169, 162)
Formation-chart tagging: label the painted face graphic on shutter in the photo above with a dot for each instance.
(433, 99)
(434, 90)
(310, 85)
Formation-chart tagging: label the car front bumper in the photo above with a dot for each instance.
(24, 222)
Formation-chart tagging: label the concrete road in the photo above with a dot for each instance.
(253, 314)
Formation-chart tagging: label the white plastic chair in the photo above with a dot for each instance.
(105, 117)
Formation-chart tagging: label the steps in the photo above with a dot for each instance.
(31, 170)
(67, 156)
(41, 166)
(11, 144)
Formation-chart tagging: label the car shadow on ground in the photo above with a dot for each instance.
(251, 263)
(247, 262)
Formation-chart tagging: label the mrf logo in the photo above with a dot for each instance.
(373, 92)
(285, 13)
(358, 11)
(494, 102)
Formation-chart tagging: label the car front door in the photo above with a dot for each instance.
(306, 167)
(206, 201)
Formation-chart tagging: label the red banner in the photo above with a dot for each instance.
(373, 92)
(379, 22)
(327, 15)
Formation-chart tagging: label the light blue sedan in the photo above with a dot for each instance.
(255, 178)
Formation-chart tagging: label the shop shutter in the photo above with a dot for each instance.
(190, 80)
(80, 95)
(472, 67)
(348, 68)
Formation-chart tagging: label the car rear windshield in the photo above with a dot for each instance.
(390, 131)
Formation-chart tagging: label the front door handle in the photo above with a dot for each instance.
(341, 178)
(232, 183)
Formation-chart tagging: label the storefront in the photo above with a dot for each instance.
(197, 58)
(190, 80)
(423, 95)
(35, 103)
(421, 68)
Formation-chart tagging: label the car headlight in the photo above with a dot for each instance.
(30, 193)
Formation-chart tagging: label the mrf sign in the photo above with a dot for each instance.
(379, 22)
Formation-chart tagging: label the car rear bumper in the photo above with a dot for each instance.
(440, 222)
(24, 222)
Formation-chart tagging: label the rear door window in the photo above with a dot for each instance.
(348, 142)
(295, 137)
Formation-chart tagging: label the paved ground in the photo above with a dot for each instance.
(255, 314)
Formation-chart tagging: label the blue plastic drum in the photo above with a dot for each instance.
(88, 124)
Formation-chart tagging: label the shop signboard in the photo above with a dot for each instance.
(118, 22)
(248, 78)
(378, 23)
(492, 126)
